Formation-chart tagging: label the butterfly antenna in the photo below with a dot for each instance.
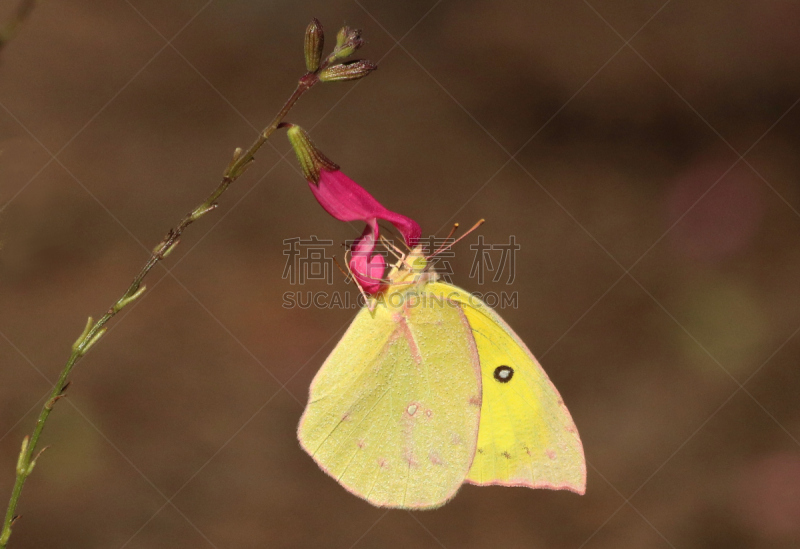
(459, 239)
(448, 237)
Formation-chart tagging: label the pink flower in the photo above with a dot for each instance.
(346, 200)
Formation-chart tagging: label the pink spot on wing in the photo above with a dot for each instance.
(429, 413)
(435, 459)
(551, 454)
(361, 443)
(475, 400)
(382, 463)
(346, 416)
(408, 457)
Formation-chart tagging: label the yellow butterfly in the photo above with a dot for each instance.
(428, 389)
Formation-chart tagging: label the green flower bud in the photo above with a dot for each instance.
(352, 70)
(347, 42)
(314, 42)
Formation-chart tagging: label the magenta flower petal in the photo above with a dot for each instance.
(346, 200)
(368, 267)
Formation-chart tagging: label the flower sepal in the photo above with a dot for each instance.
(311, 159)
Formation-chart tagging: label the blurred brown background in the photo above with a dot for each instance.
(653, 191)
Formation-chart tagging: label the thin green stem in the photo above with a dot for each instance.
(94, 331)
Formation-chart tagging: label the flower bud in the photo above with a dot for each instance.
(22, 454)
(314, 42)
(90, 342)
(347, 42)
(126, 300)
(310, 158)
(352, 70)
(82, 337)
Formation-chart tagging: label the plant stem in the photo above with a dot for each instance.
(93, 332)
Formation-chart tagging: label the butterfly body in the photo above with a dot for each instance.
(429, 389)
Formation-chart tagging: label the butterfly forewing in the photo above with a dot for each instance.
(526, 436)
(393, 413)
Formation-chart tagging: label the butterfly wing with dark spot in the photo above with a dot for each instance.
(527, 436)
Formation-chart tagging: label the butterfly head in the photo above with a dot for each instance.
(412, 268)
(415, 261)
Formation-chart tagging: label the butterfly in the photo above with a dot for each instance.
(430, 389)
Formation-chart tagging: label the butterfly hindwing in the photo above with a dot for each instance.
(526, 436)
(393, 413)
